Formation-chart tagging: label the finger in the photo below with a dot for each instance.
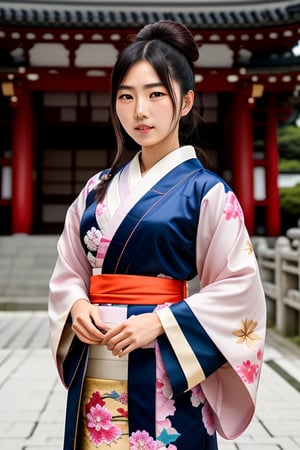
(87, 339)
(112, 333)
(119, 347)
(124, 351)
(100, 328)
(87, 332)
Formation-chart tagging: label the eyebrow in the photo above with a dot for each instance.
(146, 86)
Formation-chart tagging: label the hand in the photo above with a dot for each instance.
(86, 322)
(133, 333)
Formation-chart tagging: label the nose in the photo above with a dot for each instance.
(141, 110)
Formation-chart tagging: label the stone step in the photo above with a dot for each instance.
(26, 265)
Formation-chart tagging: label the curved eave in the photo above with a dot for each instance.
(122, 18)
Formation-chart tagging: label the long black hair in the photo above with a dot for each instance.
(171, 50)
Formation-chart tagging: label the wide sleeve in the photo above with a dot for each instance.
(227, 314)
(69, 281)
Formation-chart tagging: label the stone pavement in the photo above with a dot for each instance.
(32, 400)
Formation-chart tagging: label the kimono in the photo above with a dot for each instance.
(177, 221)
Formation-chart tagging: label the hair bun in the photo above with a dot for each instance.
(173, 33)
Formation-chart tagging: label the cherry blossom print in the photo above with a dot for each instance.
(170, 447)
(100, 427)
(99, 421)
(96, 399)
(92, 239)
(247, 371)
(232, 208)
(208, 419)
(247, 334)
(197, 399)
(165, 405)
(260, 354)
(101, 208)
(91, 183)
(141, 440)
(197, 396)
(123, 398)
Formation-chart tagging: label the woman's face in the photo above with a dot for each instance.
(145, 109)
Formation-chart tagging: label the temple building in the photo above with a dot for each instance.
(55, 64)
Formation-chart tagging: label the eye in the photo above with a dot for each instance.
(125, 97)
(157, 94)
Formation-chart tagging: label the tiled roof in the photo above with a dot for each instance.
(91, 17)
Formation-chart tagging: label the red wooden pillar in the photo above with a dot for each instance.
(243, 153)
(271, 154)
(22, 163)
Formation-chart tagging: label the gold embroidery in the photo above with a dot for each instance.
(249, 248)
(246, 333)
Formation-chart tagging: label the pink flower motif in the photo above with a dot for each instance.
(99, 421)
(101, 208)
(95, 399)
(197, 396)
(98, 417)
(164, 404)
(91, 184)
(260, 354)
(208, 419)
(123, 398)
(247, 371)
(100, 426)
(232, 208)
(140, 440)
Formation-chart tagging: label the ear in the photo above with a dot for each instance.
(187, 103)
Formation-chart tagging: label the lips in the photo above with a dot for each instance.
(143, 128)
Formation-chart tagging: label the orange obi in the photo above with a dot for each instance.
(135, 289)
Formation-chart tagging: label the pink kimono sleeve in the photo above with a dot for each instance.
(231, 308)
(69, 281)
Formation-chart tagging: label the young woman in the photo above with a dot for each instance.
(147, 365)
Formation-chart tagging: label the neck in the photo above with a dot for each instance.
(142, 165)
(149, 158)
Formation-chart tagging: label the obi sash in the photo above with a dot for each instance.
(135, 289)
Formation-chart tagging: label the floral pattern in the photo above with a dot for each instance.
(140, 440)
(92, 239)
(232, 208)
(247, 371)
(101, 208)
(247, 334)
(99, 420)
(208, 419)
(91, 183)
(165, 405)
(198, 398)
